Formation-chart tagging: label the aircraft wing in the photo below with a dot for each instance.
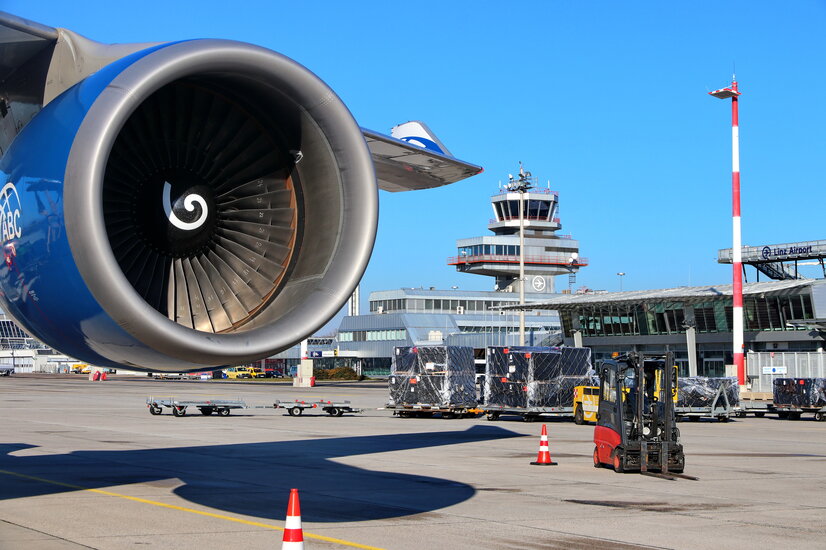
(402, 166)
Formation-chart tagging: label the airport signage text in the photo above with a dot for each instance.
(777, 252)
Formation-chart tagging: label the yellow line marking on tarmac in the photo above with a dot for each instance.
(190, 510)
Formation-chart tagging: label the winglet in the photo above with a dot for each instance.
(417, 133)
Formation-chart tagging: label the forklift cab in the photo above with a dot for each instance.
(636, 424)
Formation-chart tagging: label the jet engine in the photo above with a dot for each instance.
(188, 206)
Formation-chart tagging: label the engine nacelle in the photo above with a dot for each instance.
(189, 206)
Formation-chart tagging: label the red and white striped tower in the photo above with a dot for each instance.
(736, 247)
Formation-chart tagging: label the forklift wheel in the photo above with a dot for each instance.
(618, 464)
(597, 463)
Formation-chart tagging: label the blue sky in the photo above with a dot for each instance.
(606, 100)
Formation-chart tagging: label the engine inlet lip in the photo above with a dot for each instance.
(84, 215)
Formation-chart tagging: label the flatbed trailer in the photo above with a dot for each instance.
(759, 408)
(528, 414)
(333, 408)
(719, 408)
(205, 406)
(792, 412)
(424, 410)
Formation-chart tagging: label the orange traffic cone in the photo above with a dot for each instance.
(293, 535)
(544, 457)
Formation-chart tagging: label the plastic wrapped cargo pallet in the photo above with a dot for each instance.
(800, 392)
(533, 377)
(434, 376)
(700, 391)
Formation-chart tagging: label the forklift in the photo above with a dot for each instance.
(636, 425)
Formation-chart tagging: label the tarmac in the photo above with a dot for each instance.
(84, 465)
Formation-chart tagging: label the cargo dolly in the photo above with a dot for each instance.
(424, 410)
(333, 408)
(528, 414)
(207, 407)
(792, 412)
(719, 408)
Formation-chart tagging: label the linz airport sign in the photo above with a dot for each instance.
(777, 252)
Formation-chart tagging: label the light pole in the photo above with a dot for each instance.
(521, 186)
(736, 248)
(621, 274)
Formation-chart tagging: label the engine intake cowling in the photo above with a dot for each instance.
(192, 205)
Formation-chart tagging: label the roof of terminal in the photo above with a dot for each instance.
(684, 294)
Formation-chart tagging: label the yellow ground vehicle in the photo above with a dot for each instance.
(238, 372)
(81, 368)
(586, 403)
(586, 400)
(245, 372)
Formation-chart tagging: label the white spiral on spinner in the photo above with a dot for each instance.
(189, 205)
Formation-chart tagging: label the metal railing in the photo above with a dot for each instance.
(526, 218)
(540, 190)
(547, 259)
(783, 364)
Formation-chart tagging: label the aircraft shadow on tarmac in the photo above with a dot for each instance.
(254, 478)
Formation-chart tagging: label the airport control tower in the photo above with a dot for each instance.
(546, 254)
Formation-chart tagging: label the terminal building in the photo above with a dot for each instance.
(781, 316)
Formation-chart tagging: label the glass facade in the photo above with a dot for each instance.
(534, 210)
(435, 305)
(372, 335)
(489, 250)
(760, 313)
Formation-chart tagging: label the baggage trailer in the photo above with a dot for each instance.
(534, 382)
(701, 397)
(758, 408)
(795, 396)
(528, 414)
(425, 410)
(333, 408)
(207, 407)
(428, 380)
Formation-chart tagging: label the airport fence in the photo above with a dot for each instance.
(763, 367)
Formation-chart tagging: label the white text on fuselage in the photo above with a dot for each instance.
(9, 213)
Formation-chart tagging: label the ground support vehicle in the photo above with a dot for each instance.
(792, 412)
(6, 370)
(636, 428)
(719, 408)
(333, 408)
(707, 397)
(207, 407)
(528, 414)
(758, 408)
(586, 404)
(423, 410)
(794, 396)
